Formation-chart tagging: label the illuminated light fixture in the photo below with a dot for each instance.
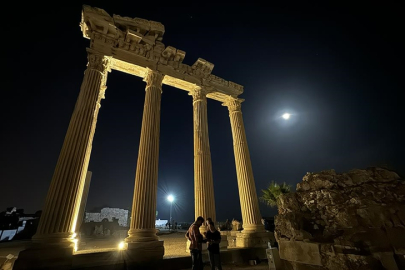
(121, 245)
(170, 198)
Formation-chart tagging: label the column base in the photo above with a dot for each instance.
(66, 239)
(224, 240)
(145, 252)
(41, 257)
(141, 235)
(254, 239)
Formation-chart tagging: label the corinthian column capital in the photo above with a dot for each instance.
(153, 78)
(98, 62)
(233, 104)
(200, 93)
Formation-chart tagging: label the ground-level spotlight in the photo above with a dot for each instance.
(121, 245)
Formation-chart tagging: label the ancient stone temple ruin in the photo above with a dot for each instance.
(134, 46)
(347, 221)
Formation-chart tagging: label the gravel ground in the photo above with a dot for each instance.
(175, 244)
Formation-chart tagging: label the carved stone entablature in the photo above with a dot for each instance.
(235, 88)
(217, 80)
(151, 30)
(133, 36)
(202, 67)
(97, 37)
(135, 44)
(135, 47)
(171, 57)
(168, 54)
(99, 26)
(96, 19)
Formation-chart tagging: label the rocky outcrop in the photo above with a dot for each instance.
(347, 221)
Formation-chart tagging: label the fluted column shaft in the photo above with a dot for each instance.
(146, 179)
(247, 190)
(62, 204)
(203, 181)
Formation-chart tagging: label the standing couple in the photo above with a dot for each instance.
(212, 238)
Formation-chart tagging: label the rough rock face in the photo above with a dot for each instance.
(353, 220)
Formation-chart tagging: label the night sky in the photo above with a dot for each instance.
(338, 69)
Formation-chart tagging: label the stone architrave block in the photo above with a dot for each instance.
(301, 252)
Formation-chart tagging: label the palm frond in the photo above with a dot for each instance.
(271, 194)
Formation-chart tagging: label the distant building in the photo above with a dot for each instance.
(109, 214)
(15, 224)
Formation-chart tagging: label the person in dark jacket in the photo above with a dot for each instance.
(213, 237)
(196, 239)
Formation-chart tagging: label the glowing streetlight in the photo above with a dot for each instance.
(286, 116)
(170, 198)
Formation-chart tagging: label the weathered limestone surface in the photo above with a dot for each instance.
(203, 181)
(246, 185)
(353, 220)
(83, 202)
(142, 238)
(55, 235)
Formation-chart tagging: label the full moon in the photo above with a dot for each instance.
(286, 116)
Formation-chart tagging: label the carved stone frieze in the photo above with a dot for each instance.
(236, 86)
(217, 80)
(100, 38)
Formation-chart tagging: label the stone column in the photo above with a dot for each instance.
(247, 191)
(203, 182)
(142, 234)
(83, 202)
(59, 215)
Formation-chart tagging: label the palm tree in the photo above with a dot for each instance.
(271, 194)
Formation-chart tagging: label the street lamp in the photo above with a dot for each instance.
(170, 198)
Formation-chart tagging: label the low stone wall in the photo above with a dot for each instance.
(347, 221)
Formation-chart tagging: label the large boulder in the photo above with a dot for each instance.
(352, 220)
